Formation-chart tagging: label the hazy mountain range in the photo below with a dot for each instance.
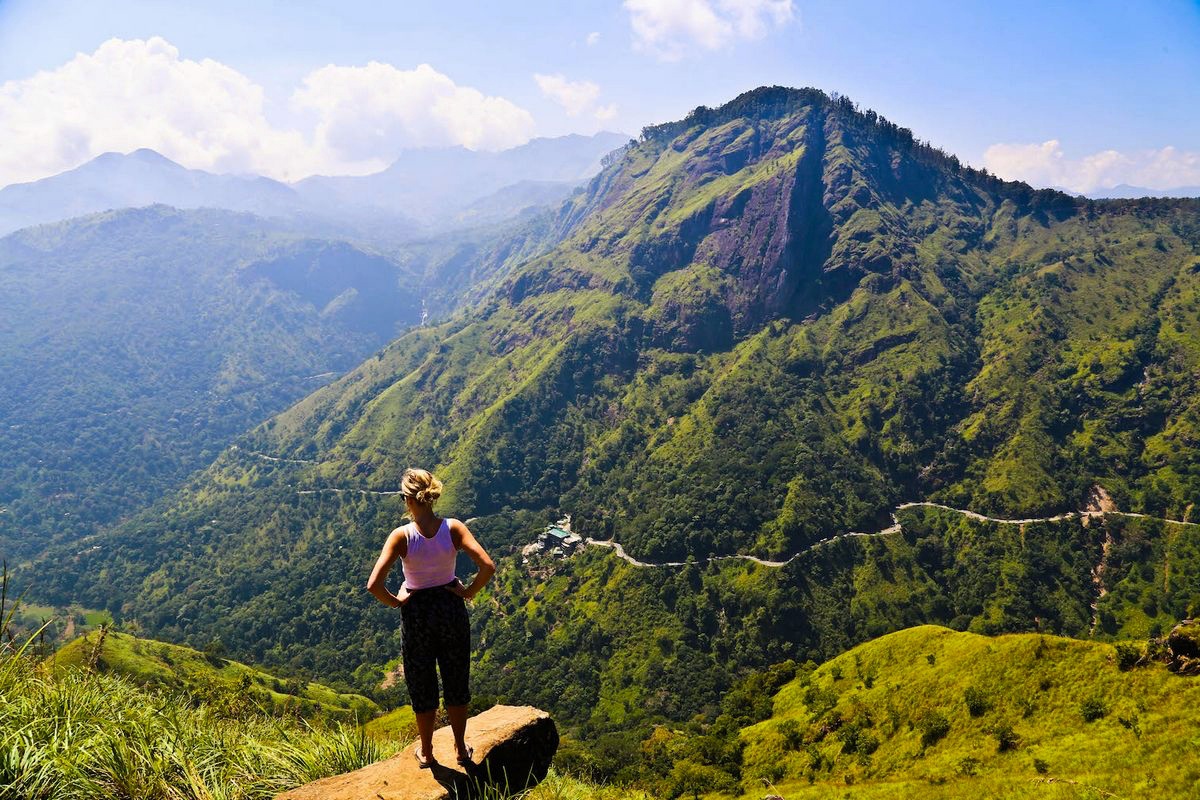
(422, 192)
(1127, 192)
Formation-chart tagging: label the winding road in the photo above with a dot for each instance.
(276, 459)
(895, 527)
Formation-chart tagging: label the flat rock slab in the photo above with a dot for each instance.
(514, 746)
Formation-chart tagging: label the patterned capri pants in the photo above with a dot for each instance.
(436, 631)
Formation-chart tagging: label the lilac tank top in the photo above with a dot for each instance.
(430, 561)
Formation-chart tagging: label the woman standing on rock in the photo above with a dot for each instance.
(432, 608)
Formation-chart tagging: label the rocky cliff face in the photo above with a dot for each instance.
(791, 197)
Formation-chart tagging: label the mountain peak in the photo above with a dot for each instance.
(143, 155)
(148, 156)
(765, 102)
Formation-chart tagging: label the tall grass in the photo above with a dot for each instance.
(82, 734)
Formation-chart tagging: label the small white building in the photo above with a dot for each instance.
(557, 539)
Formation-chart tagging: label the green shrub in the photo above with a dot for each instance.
(857, 740)
(1131, 724)
(968, 767)
(977, 702)
(1128, 655)
(934, 727)
(819, 700)
(1093, 709)
(793, 736)
(1006, 738)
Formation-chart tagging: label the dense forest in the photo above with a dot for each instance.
(138, 344)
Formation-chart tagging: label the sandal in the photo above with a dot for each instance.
(465, 761)
(423, 763)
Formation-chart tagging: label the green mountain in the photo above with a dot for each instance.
(761, 326)
(940, 714)
(174, 668)
(135, 345)
(771, 322)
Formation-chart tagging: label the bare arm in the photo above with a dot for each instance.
(395, 547)
(465, 541)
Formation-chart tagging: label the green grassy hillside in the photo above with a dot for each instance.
(78, 734)
(941, 714)
(400, 724)
(170, 667)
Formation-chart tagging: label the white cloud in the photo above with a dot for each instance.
(131, 94)
(604, 113)
(576, 97)
(377, 110)
(206, 115)
(592, 38)
(1046, 164)
(668, 28)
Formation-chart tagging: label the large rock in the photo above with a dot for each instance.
(513, 745)
(1184, 644)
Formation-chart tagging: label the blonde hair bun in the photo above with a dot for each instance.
(421, 486)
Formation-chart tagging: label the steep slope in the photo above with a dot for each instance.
(135, 345)
(942, 714)
(764, 325)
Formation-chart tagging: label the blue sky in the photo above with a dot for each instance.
(1074, 94)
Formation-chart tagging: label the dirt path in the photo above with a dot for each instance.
(276, 459)
(1098, 579)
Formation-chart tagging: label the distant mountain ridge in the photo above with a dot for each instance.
(1124, 191)
(140, 178)
(430, 184)
(423, 191)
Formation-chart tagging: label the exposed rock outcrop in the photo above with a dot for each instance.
(514, 746)
(1184, 644)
